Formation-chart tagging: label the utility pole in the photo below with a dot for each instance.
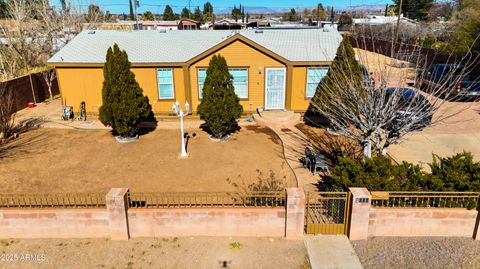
(189, 15)
(136, 4)
(398, 22)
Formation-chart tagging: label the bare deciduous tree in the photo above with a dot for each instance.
(35, 30)
(7, 113)
(49, 76)
(381, 110)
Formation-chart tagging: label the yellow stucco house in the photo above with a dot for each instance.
(272, 69)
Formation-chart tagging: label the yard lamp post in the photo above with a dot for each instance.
(178, 111)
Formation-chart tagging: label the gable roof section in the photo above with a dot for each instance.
(237, 37)
(181, 47)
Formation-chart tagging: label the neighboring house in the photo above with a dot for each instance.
(228, 24)
(379, 20)
(151, 25)
(273, 69)
(183, 24)
(187, 24)
(268, 22)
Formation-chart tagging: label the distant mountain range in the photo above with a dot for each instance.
(273, 10)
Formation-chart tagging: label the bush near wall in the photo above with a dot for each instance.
(456, 173)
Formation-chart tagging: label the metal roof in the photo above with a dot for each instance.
(90, 47)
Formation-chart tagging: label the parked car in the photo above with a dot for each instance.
(453, 76)
(412, 106)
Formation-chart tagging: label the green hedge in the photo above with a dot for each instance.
(457, 173)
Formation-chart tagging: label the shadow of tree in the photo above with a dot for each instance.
(264, 183)
(235, 128)
(272, 136)
(16, 146)
(330, 145)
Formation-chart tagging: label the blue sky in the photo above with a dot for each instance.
(156, 6)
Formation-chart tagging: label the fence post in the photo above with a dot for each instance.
(476, 229)
(117, 213)
(360, 213)
(295, 216)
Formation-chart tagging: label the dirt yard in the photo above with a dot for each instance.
(66, 160)
(431, 252)
(198, 252)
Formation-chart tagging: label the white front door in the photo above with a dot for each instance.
(275, 80)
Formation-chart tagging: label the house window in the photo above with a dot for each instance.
(202, 75)
(314, 76)
(240, 81)
(165, 83)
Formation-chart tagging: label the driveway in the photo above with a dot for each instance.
(460, 132)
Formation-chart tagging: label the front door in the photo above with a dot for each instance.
(275, 88)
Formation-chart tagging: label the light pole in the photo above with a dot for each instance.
(178, 111)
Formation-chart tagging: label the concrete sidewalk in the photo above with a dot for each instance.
(330, 252)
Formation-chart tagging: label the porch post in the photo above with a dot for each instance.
(289, 88)
(476, 229)
(187, 85)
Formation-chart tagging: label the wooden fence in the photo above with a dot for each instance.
(24, 92)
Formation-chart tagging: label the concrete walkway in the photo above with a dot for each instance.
(330, 252)
(294, 143)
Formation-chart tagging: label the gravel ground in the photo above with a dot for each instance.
(427, 252)
(189, 252)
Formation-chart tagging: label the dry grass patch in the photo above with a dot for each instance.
(64, 160)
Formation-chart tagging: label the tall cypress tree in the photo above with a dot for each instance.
(132, 16)
(344, 71)
(124, 105)
(220, 106)
(168, 14)
(185, 13)
(3, 9)
(198, 15)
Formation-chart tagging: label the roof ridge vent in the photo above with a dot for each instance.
(92, 32)
(259, 31)
(229, 35)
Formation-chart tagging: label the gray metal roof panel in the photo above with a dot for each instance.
(181, 46)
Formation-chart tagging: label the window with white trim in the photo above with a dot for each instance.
(314, 76)
(165, 83)
(201, 76)
(240, 81)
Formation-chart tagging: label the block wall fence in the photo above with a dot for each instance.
(119, 222)
(367, 221)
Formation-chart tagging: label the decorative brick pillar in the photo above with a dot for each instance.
(360, 213)
(295, 216)
(117, 213)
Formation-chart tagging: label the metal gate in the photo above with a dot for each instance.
(327, 212)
